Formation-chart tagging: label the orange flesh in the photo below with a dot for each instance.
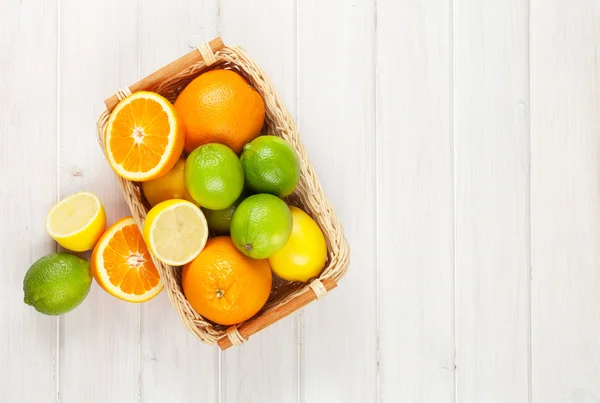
(128, 263)
(140, 135)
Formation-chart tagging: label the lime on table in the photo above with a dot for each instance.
(261, 225)
(305, 253)
(270, 166)
(57, 283)
(214, 176)
(220, 220)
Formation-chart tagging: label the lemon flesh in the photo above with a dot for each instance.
(175, 231)
(77, 222)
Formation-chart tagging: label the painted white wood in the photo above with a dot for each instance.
(265, 369)
(175, 366)
(28, 165)
(415, 202)
(491, 179)
(565, 201)
(336, 115)
(99, 341)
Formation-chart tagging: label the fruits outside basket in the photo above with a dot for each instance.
(286, 297)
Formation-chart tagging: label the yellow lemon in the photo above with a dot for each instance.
(167, 187)
(77, 222)
(175, 231)
(305, 253)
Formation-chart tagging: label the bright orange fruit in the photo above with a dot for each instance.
(225, 286)
(144, 137)
(219, 106)
(122, 266)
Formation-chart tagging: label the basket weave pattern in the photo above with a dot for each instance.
(308, 195)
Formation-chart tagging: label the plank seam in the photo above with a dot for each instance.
(376, 203)
(57, 353)
(454, 196)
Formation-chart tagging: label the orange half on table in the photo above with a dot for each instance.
(122, 266)
(144, 137)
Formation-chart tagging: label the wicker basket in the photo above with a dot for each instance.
(286, 297)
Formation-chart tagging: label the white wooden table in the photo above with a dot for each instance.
(458, 141)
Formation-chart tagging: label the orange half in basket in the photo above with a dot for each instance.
(144, 137)
(122, 266)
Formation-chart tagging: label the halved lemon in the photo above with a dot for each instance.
(175, 231)
(122, 265)
(77, 222)
(144, 137)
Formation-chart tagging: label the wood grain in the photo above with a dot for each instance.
(565, 201)
(175, 366)
(491, 160)
(415, 201)
(99, 341)
(28, 164)
(265, 368)
(336, 120)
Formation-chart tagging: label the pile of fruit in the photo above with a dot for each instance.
(214, 186)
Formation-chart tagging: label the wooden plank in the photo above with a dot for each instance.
(415, 202)
(336, 53)
(29, 165)
(99, 345)
(565, 201)
(264, 368)
(175, 366)
(491, 162)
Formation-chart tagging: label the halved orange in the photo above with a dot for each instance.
(122, 266)
(144, 137)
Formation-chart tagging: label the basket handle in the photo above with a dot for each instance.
(154, 79)
(258, 323)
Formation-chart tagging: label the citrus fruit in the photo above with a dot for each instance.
(143, 137)
(270, 166)
(261, 225)
(304, 255)
(220, 220)
(57, 283)
(225, 286)
(167, 187)
(219, 106)
(122, 265)
(175, 231)
(77, 222)
(214, 176)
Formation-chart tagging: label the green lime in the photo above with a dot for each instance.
(214, 176)
(270, 166)
(57, 283)
(220, 220)
(261, 225)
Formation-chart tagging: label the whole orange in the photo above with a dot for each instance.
(225, 286)
(219, 106)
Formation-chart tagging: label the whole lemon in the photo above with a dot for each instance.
(167, 187)
(220, 106)
(271, 166)
(57, 283)
(261, 225)
(214, 176)
(305, 253)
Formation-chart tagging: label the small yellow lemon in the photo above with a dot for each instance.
(167, 187)
(305, 253)
(175, 231)
(77, 222)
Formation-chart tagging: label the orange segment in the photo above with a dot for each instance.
(144, 137)
(122, 266)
